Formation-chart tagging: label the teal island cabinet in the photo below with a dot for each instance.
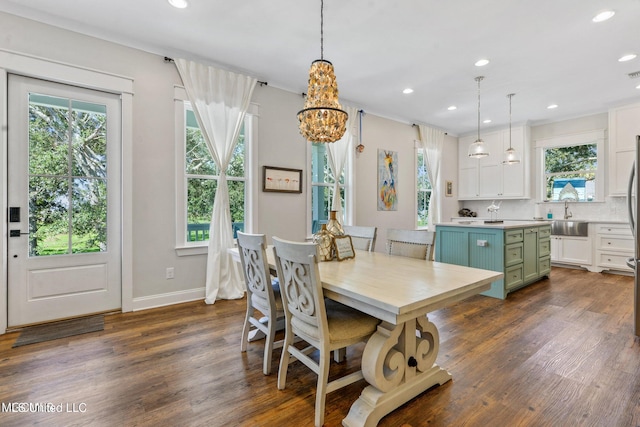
(519, 249)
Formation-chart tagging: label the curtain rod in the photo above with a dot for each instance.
(167, 59)
(415, 125)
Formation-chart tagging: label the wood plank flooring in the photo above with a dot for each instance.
(558, 353)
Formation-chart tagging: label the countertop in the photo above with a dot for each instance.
(479, 223)
(479, 220)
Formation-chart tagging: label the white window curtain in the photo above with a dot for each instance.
(337, 153)
(432, 141)
(220, 100)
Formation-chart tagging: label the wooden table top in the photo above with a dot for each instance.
(396, 289)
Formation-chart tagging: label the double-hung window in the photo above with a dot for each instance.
(423, 187)
(322, 186)
(198, 178)
(572, 167)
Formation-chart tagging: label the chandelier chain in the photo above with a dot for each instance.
(321, 29)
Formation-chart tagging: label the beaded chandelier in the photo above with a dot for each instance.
(322, 119)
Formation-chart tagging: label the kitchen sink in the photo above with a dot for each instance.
(566, 227)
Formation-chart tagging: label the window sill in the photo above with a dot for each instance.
(192, 250)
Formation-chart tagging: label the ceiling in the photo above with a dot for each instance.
(544, 51)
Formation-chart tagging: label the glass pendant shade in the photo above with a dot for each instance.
(322, 119)
(478, 150)
(511, 157)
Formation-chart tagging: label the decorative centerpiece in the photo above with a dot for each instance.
(333, 226)
(493, 213)
(324, 240)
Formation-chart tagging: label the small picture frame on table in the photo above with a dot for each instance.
(343, 247)
(281, 180)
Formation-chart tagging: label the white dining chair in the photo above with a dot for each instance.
(324, 324)
(263, 294)
(363, 238)
(411, 243)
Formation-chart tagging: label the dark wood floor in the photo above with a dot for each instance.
(558, 353)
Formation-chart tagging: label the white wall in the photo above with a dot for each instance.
(383, 134)
(153, 151)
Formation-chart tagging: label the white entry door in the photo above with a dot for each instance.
(64, 242)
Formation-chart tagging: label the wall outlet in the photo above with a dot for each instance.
(170, 273)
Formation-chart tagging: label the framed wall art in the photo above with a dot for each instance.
(448, 189)
(387, 180)
(281, 180)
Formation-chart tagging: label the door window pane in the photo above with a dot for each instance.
(89, 215)
(89, 139)
(48, 216)
(48, 135)
(67, 183)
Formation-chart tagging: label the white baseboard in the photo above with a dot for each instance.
(161, 300)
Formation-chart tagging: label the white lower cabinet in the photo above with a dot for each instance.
(571, 250)
(614, 245)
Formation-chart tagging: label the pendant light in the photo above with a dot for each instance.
(322, 119)
(511, 157)
(360, 146)
(478, 150)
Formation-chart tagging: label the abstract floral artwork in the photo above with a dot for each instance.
(387, 180)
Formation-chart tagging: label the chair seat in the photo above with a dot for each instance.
(345, 324)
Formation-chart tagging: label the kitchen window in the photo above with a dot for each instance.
(572, 167)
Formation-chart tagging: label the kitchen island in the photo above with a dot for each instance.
(519, 249)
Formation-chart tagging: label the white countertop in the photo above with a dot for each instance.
(499, 225)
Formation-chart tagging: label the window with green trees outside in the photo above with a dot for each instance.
(202, 177)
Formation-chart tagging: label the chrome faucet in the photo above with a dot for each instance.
(567, 212)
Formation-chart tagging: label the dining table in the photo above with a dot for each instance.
(399, 359)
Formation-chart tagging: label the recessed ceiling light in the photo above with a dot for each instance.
(486, 121)
(482, 62)
(638, 87)
(552, 106)
(451, 108)
(603, 16)
(628, 57)
(180, 4)
(407, 90)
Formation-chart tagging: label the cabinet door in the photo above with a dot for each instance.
(468, 187)
(575, 250)
(555, 248)
(513, 176)
(530, 254)
(490, 180)
(624, 125)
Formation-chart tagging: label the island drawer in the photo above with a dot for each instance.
(513, 276)
(544, 247)
(514, 254)
(513, 236)
(544, 232)
(545, 266)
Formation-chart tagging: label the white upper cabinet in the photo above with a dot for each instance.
(488, 178)
(624, 126)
